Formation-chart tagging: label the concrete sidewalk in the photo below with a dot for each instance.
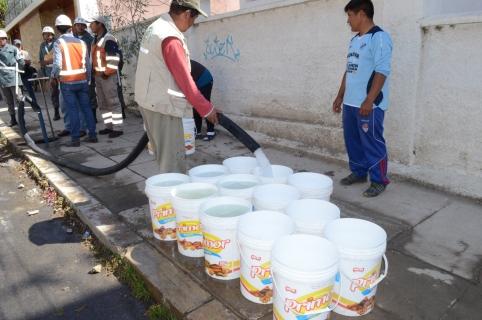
(435, 246)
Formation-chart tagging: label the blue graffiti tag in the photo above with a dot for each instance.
(217, 48)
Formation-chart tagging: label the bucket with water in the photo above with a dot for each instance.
(186, 201)
(275, 197)
(312, 215)
(240, 165)
(312, 185)
(280, 174)
(238, 185)
(208, 173)
(158, 190)
(189, 135)
(361, 245)
(219, 221)
(257, 233)
(303, 269)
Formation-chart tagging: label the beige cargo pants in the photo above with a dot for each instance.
(166, 136)
(108, 102)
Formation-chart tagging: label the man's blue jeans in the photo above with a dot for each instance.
(65, 112)
(77, 100)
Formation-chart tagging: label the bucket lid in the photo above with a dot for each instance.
(312, 214)
(262, 228)
(310, 181)
(304, 253)
(165, 182)
(224, 211)
(356, 236)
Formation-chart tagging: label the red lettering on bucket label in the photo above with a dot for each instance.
(309, 303)
(292, 290)
(215, 245)
(189, 229)
(363, 283)
(262, 272)
(164, 213)
(356, 269)
(253, 257)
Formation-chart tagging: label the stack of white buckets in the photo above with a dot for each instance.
(293, 250)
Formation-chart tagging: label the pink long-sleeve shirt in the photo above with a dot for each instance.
(175, 59)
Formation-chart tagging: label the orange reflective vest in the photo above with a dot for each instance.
(103, 61)
(74, 54)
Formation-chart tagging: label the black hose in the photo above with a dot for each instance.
(238, 133)
(224, 121)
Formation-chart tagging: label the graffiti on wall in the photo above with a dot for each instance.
(216, 47)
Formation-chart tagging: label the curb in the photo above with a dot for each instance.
(168, 284)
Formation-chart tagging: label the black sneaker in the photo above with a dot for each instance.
(91, 140)
(73, 144)
(64, 133)
(352, 179)
(105, 131)
(199, 136)
(56, 116)
(13, 123)
(82, 133)
(115, 134)
(374, 190)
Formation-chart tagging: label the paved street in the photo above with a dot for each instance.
(43, 269)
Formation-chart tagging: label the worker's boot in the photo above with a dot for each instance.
(57, 114)
(13, 121)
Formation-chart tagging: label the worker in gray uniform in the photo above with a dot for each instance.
(11, 60)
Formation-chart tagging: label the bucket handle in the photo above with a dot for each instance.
(327, 309)
(380, 278)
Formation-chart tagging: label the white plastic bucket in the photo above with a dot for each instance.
(189, 135)
(361, 245)
(275, 197)
(303, 269)
(238, 185)
(280, 174)
(312, 185)
(158, 190)
(219, 221)
(209, 173)
(240, 165)
(257, 233)
(312, 215)
(187, 200)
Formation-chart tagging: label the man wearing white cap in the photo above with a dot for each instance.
(165, 89)
(105, 62)
(29, 71)
(10, 57)
(46, 59)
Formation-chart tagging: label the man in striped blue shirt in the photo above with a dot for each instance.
(364, 95)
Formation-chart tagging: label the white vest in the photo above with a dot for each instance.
(155, 87)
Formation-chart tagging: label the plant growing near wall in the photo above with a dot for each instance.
(3, 12)
(127, 14)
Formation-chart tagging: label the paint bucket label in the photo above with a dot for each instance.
(163, 220)
(189, 135)
(221, 254)
(357, 299)
(296, 301)
(189, 238)
(256, 281)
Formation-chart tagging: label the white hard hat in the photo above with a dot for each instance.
(17, 41)
(48, 30)
(63, 20)
(3, 34)
(80, 20)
